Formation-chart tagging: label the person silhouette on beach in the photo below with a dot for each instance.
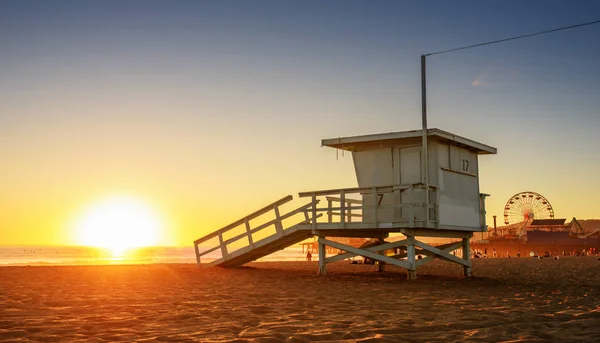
(308, 256)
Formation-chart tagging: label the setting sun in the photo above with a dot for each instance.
(119, 223)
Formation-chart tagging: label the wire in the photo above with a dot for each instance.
(513, 38)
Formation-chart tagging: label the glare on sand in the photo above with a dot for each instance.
(119, 223)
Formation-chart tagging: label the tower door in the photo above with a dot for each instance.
(410, 165)
(410, 173)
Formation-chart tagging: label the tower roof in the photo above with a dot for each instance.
(351, 143)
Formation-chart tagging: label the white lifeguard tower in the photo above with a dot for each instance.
(391, 197)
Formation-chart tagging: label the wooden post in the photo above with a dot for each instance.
(329, 214)
(410, 255)
(250, 240)
(349, 212)
(466, 252)
(343, 208)
(314, 213)
(197, 254)
(437, 208)
(426, 223)
(380, 264)
(483, 212)
(411, 213)
(223, 247)
(375, 203)
(278, 225)
(322, 257)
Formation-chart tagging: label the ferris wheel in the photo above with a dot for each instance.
(525, 207)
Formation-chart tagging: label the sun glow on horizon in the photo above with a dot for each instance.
(119, 223)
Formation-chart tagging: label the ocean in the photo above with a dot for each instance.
(78, 255)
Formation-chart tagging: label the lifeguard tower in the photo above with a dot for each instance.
(391, 197)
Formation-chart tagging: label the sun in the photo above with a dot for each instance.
(119, 223)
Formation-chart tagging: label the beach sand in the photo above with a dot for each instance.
(508, 300)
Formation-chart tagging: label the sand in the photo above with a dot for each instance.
(508, 300)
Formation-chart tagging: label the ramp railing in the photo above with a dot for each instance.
(209, 243)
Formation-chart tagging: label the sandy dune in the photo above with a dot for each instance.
(509, 300)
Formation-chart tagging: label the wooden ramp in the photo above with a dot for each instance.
(244, 246)
(264, 247)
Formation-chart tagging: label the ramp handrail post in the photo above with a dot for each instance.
(278, 225)
(197, 254)
(223, 246)
(249, 233)
(329, 210)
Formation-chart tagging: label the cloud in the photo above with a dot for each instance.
(477, 82)
(498, 74)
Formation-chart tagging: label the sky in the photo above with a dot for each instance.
(208, 110)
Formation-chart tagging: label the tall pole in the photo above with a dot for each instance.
(424, 155)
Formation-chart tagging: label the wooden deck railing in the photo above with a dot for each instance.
(349, 215)
(482, 211)
(277, 222)
(347, 208)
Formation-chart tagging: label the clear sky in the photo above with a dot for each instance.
(208, 110)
